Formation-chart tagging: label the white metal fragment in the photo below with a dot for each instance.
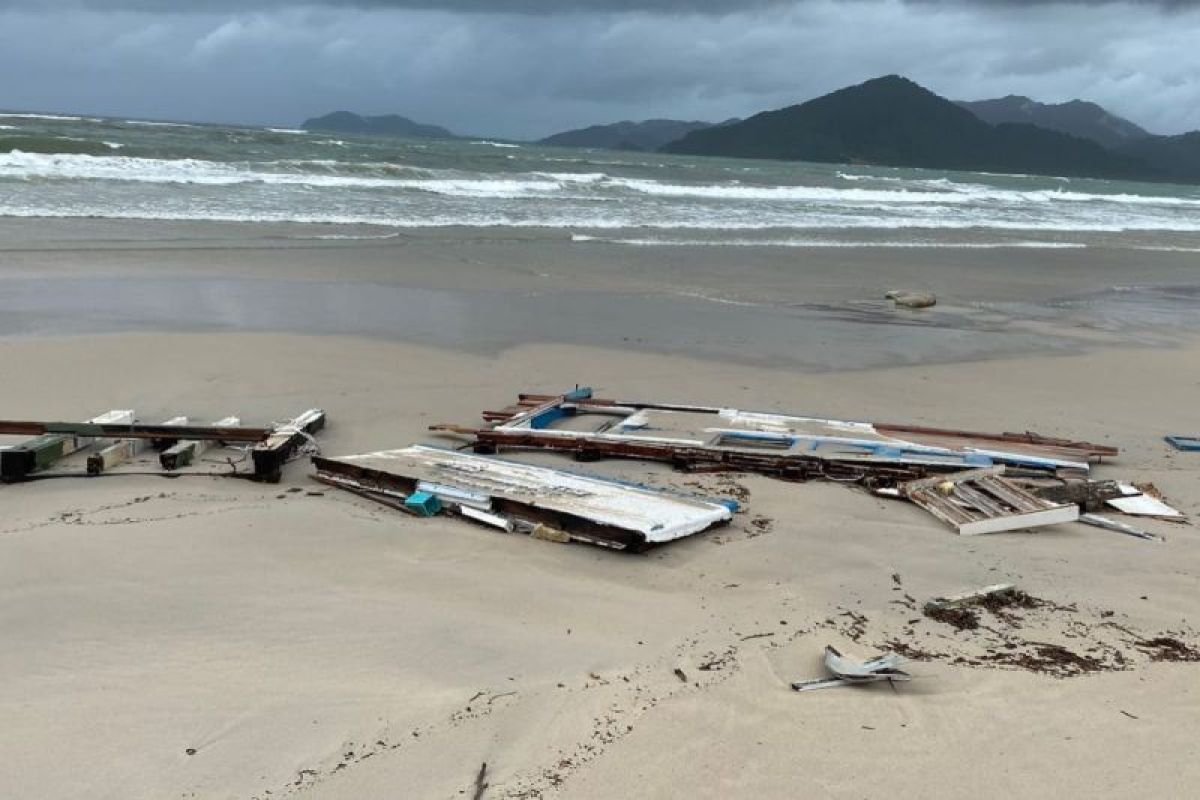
(1138, 503)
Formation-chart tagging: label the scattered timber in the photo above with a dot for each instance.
(186, 451)
(1065, 448)
(270, 455)
(54, 441)
(705, 438)
(982, 501)
(525, 497)
(123, 450)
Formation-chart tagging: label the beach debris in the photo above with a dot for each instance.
(118, 438)
(481, 783)
(983, 501)
(54, 441)
(132, 430)
(549, 534)
(993, 592)
(1186, 443)
(424, 504)
(1142, 501)
(1100, 521)
(960, 610)
(706, 438)
(185, 451)
(527, 498)
(123, 450)
(1089, 495)
(909, 299)
(283, 443)
(849, 672)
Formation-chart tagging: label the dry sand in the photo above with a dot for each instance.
(203, 637)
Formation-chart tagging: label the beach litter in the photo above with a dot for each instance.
(123, 450)
(1186, 443)
(118, 438)
(850, 672)
(982, 501)
(1100, 521)
(53, 443)
(908, 299)
(1143, 501)
(708, 438)
(548, 504)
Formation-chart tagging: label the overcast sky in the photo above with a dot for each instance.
(527, 68)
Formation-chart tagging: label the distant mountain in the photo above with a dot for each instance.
(894, 122)
(388, 125)
(649, 135)
(1178, 156)
(1076, 117)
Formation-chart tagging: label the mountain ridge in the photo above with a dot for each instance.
(892, 121)
(1081, 118)
(644, 135)
(384, 125)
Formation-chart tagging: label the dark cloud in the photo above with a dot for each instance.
(529, 74)
(541, 7)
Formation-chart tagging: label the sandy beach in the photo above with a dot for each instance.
(209, 638)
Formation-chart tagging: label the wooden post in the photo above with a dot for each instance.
(271, 455)
(123, 450)
(185, 452)
(41, 452)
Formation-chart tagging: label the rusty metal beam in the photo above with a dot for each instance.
(134, 431)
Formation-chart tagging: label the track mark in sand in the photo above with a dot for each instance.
(625, 696)
(634, 694)
(479, 705)
(88, 516)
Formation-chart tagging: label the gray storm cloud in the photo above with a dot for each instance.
(525, 68)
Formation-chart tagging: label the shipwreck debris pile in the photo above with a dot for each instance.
(117, 437)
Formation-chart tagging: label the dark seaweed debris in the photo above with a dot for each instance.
(1168, 648)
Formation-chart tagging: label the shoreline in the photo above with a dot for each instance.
(816, 309)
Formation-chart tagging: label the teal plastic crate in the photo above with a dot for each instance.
(423, 503)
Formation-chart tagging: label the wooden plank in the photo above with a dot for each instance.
(186, 451)
(976, 499)
(1051, 516)
(123, 450)
(270, 456)
(1017, 500)
(969, 475)
(981, 501)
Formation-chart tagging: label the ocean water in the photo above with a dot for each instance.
(65, 166)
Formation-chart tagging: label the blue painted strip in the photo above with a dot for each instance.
(547, 418)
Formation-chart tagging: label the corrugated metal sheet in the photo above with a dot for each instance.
(656, 515)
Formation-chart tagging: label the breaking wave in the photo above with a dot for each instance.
(813, 243)
(145, 169)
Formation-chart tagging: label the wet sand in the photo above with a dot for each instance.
(209, 638)
(482, 291)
